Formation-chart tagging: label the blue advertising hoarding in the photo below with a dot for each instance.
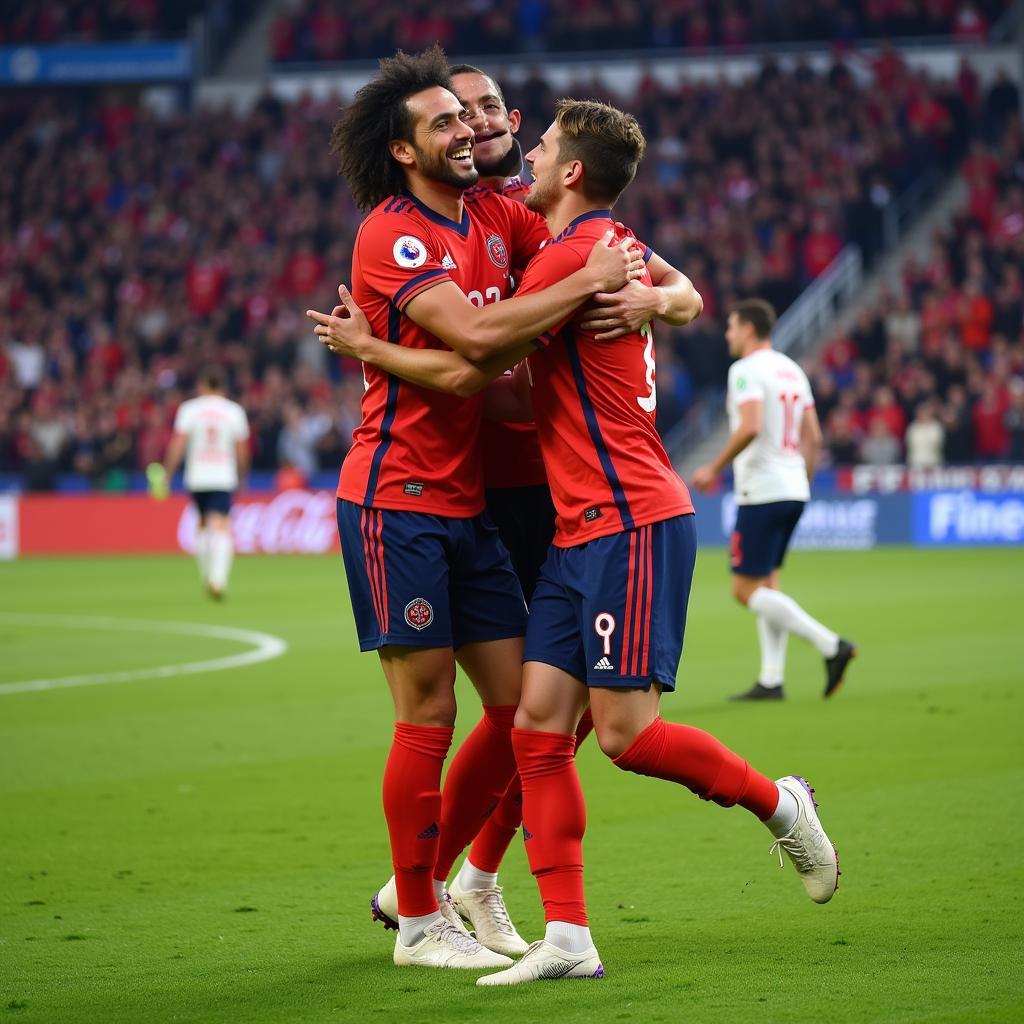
(104, 62)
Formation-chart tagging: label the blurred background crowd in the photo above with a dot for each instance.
(138, 245)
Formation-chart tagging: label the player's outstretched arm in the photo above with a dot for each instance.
(480, 333)
(751, 418)
(346, 331)
(673, 300)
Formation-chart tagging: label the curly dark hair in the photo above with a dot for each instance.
(378, 114)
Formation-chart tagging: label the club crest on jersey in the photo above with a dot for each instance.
(419, 613)
(497, 251)
(410, 252)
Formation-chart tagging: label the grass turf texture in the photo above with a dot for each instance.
(204, 848)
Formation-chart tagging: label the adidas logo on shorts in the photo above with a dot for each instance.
(605, 665)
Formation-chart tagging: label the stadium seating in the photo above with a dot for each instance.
(316, 30)
(136, 247)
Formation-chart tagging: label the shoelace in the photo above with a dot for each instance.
(455, 939)
(496, 905)
(795, 849)
(451, 914)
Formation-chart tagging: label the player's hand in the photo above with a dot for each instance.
(615, 262)
(156, 479)
(623, 312)
(704, 479)
(345, 329)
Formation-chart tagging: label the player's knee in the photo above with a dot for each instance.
(614, 738)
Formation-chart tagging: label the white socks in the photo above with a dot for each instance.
(573, 938)
(203, 553)
(438, 888)
(470, 877)
(785, 814)
(222, 550)
(782, 612)
(411, 929)
(773, 653)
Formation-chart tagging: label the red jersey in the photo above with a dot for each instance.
(418, 449)
(511, 451)
(594, 402)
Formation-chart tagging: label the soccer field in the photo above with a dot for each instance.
(203, 846)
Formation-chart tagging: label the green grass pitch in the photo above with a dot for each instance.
(203, 847)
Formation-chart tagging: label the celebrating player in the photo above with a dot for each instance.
(211, 433)
(607, 618)
(429, 579)
(773, 447)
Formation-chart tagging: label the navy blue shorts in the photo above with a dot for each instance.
(421, 580)
(212, 501)
(525, 518)
(612, 612)
(761, 537)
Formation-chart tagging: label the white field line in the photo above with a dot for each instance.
(263, 648)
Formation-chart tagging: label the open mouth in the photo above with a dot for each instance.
(482, 140)
(463, 156)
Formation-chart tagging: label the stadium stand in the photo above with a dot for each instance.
(314, 30)
(934, 373)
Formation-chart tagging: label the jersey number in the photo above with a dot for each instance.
(649, 401)
(790, 423)
(491, 295)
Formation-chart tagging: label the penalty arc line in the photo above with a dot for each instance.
(264, 648)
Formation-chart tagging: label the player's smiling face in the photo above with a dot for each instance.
(546, 168)
(442, 146)
(493, 125)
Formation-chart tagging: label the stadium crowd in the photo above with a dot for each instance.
(934, 373)
(318, 30)
(135, 248)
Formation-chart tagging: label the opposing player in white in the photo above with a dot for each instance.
(211, 434)
(773, 445)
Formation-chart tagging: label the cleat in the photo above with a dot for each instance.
(445, 945)
(384, 908)
(215, 592)
(835, 667)
(812, 853)
(487, 915)
(546, 962)
(760, 692)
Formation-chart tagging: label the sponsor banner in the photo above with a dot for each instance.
(8, 526)
(968, 518)
(292, 522)
(834, 522)
(102, 62)
(891, 479)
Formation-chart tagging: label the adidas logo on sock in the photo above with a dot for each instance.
(430, 833)
(605, 665)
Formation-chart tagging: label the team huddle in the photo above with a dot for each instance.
(507, 506)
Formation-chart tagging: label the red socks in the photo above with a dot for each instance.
(695, 759)
(478, 777)
(412, 807)
(554, 820)
(492, 841)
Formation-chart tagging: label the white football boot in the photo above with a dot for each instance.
(545, 962)
(384, 907)
(445, 945)
(812, 853)
(487, 915)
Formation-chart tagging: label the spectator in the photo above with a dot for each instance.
(924, 438)
(880, 447)
(1014, 420)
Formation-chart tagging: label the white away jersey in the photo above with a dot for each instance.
(771, 467)
(212, 424)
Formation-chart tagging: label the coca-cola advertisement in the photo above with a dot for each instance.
(290, 522)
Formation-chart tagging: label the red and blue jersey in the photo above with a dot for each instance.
(594, 404)
(511, 451)
(418, 449)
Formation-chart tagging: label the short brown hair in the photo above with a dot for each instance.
(759, 313)
(213, 377)
(608, 142)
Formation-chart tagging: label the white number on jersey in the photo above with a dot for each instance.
(649, 401)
